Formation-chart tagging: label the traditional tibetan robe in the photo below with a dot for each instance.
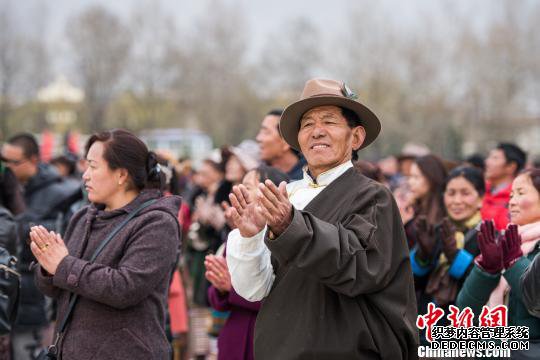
(343, 286)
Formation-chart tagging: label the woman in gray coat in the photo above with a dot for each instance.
(122, 295)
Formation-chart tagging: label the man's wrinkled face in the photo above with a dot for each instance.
(326, 140)
(271, 144)
(23, 167)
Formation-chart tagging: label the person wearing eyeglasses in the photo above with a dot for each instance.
(44, 196)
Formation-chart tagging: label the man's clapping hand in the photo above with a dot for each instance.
(244, 212)
(276, 207)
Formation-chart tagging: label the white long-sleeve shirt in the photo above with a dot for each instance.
(248, 259)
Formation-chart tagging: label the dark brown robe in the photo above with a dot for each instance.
(344, 286)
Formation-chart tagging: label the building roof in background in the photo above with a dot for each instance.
(60, 90)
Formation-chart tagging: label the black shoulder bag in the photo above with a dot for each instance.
(10, 284)
(52, 351)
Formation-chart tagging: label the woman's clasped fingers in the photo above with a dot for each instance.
(35, 250)
(40, 237)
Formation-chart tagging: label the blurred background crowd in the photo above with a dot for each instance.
(441, 200)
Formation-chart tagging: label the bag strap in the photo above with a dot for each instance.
(119, 227)
(100, 248)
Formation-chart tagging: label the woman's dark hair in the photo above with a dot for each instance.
(477, 160)
(432, 204)
(124, 150)
(534, 175)
(226, 154)
(471, 174)
(270, 173)
(10, 194)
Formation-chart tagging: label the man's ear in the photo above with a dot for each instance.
(512, 167)
(34, 160)
(358, 137)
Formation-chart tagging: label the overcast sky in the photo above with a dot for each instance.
(263, 17)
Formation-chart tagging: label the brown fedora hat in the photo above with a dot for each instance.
(321, 92)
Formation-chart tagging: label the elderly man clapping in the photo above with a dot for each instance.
(327, 253)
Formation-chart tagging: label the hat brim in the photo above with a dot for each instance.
(289, 124)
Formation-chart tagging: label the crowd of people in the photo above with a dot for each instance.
(288, 246)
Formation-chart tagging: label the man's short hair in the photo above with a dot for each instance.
(278, 113)
(27, 142)
(353, 120)
(275, 112)
(513, 153)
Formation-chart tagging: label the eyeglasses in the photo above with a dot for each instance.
(12, 162)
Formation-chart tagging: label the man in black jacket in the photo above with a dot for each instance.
(45, 197)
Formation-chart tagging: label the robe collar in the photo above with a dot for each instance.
(339, 187)
(326, 177)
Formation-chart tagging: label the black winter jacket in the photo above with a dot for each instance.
(8, 231)
(45, 197)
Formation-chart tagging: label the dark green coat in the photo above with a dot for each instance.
(479, 285)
